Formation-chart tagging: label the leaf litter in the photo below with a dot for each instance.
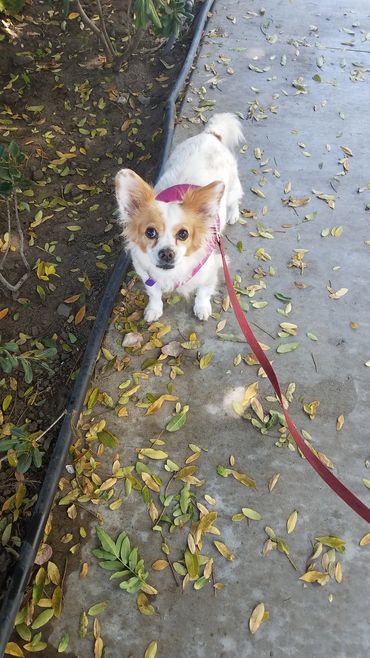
(174, 503)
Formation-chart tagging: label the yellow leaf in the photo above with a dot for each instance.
(205, 360)
(338, 573)
(224, 550)
(107, 484)
(3, 313)
(292, 522)
(315, 577)
(156, 405)
(151, 650)
(273, 481)
(57, 600)
(98, 648)
(72, 299)
(12, 649)
(244, 479)
(143, 604)
(340, 422)
(84, 570)
(72, 15)
(53, 573)
(80, 315)
(150, 482)
(249, 394)
(256, 618)
(311, 408)
(153, 454)
(122, 411)
(159, 565)
(365, 541)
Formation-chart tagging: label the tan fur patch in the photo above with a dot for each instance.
(199, 200)
(197, 228)
(144, 217)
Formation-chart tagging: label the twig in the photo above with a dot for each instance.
(10, 286)
(264, 330)
(314, 362)
(44, 432)
(104, 29)
(9, 234)
(89, 23)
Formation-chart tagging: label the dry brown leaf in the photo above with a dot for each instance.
(273, 481)
(256, 618)
(80, 315)
(224, 550)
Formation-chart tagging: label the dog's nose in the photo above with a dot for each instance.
(166, 256)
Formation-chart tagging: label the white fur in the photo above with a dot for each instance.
(199, 160)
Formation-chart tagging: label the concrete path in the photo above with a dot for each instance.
(298, 72)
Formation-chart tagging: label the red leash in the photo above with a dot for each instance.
(336, 485)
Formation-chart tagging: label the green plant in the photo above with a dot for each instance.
(11, 180)
(167, 16)
(12, 7)
(12, 358)
(22, 448)
(119, 553)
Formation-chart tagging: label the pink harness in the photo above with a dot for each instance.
(176, 194)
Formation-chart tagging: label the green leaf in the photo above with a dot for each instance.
(107, 439)
(110, 565)
(282, 297)
(63, 643)
(42, 618)
(284, 348)
(97, 609)
(28, 375)
(106, 541)
(177, 422)
(125, 550)
(251, 514)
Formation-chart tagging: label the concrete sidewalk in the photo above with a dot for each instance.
(298, 72)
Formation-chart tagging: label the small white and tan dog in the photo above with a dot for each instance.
(172, 242)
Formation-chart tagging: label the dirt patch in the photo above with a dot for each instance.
(78, 120)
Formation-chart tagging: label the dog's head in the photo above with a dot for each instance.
(166, 232)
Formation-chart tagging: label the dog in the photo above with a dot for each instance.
(172, 241)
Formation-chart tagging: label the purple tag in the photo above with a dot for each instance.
(149, 282)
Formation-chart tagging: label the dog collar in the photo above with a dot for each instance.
(176, 194)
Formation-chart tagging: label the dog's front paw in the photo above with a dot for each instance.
(202, 309)
(153, 312)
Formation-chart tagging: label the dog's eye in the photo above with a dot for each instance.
(151, 233)
(182, 234)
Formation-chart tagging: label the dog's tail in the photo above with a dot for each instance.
(226, 127)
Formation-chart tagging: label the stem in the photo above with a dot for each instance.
(15, 287)
(104, 29)
(20, 233)
(89, 23)
(9, 234)
(43, 433)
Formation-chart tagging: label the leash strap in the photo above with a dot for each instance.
(336, 485)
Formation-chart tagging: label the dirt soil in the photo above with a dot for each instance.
(78, 119)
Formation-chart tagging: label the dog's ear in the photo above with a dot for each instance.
(205, 200)
(132, 193)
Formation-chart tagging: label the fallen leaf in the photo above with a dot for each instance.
(340, 422)
(292, 522)
(256, 618)
(224, 550)
(156, 405)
